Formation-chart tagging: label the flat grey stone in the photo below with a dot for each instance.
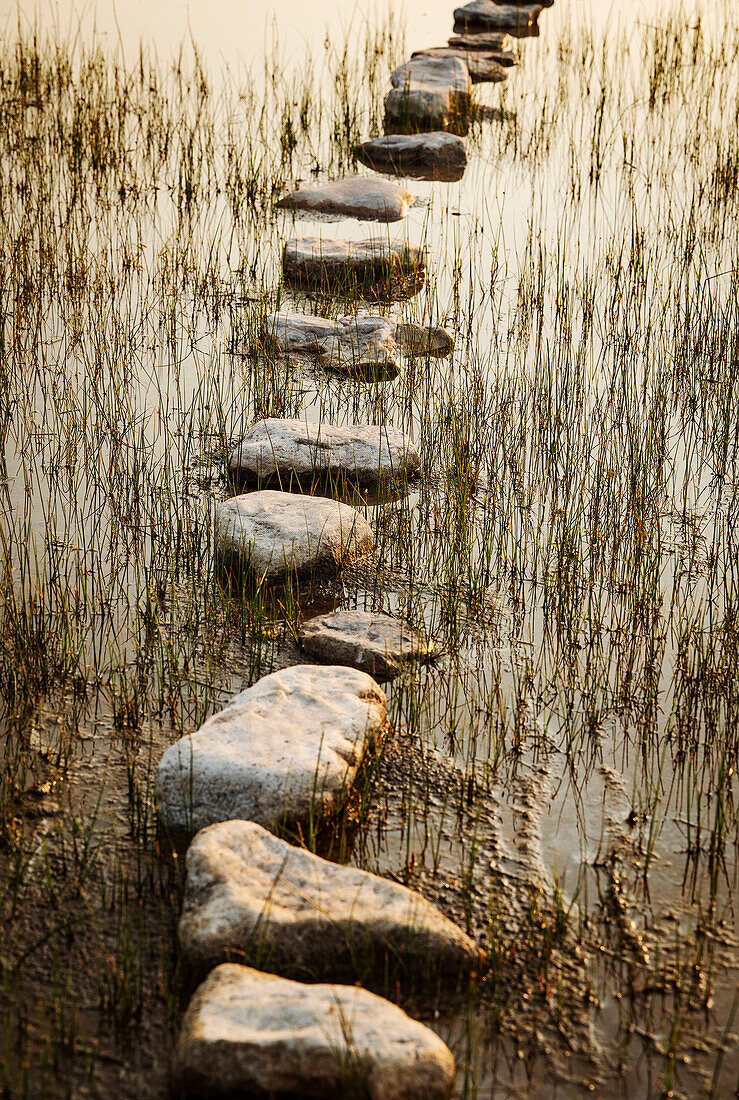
(484, 68)
(429, 93)
(287, 534)
(251, 897)
(488, 16)
(436, 155)
(375, 642)
(341, 264)
(361, 346)
(365, 346)
(285, 750)
(358, 198)
(366, 454)
(251, 1034)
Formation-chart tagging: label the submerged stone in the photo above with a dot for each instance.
(394, 267)
(429, 93)
(365, 454)
(251, 1034)
(358, 198)
(284, 751)
(518, 19)
(251, 897)
(278, 535)
(483, 67)
(435, 155)
(380, 644)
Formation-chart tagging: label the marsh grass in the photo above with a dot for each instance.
(563, 780)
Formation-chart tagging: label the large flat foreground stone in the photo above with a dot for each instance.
(286, 749)
(247, 1034)
(365, 454)
(484, 68)
(394, 267)
(484, 15)
(357, 198)
(277, 535)
(429, 93)
(251, 897)
(436, 155)
(377, 643)
(364, 346)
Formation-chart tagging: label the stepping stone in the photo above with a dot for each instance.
(493, 42)
(251, 897)
(365, 346)
(365, 454)
(484, 15)
(286, 750)
(361, 346)
(278, 535)
(482, 67)
(354, 198)
(393, 266)
(377, 643)
(436, 155)
(429, 93)
(496, 46)
(250, 1034)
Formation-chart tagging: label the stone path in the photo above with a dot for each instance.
(251, 897)
(379, 644)
(367, 455)
(284, 751)
(250, 1034)
(287, 750)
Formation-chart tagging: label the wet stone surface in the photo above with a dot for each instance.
(277, 535)
(380, 644)
(251, 897)
(369, 199)
(366, 454)
(285, 750)
(252, 1034)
